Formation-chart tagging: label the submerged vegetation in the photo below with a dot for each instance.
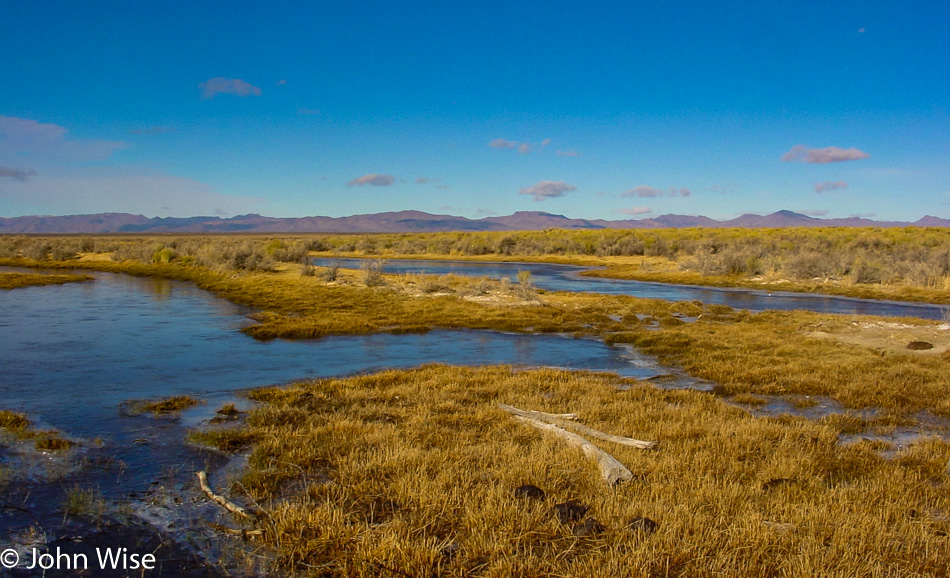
(415, 473)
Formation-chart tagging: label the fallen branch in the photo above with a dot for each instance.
(219, 499)
(611, 470)
(539, 415)
(560, 420)
(243, 533)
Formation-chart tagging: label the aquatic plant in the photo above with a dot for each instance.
(85, 503)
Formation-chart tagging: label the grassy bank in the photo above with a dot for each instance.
(910, 264)
(17, 280)
(414, 472)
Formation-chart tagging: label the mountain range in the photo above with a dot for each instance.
(413, 222)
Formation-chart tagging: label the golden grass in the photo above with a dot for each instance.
(164, 406)
(773, 353)
(17, 280)
(413, 472)
(22, 428)
(224, 439)
(13, 421)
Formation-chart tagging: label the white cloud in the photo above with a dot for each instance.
(500, 143)
(547, 190)
(642, 191)
(372, 179)
(25, 137)
(110, 189)
(524, 148)
(545, 142)
(801, 153)
(830, 186)
(223, 85)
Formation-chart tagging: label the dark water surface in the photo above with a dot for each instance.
(567, 278)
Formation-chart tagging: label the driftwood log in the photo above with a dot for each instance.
(221, 500)
(611, 470)
(560, 419)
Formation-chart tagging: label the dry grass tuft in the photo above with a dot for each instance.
(17, 280)
(414, 473)
(13, 421)
(165, 406)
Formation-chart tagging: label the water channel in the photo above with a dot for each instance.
(554, 277)
(72, 356)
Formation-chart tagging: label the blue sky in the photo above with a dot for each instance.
(606, 110)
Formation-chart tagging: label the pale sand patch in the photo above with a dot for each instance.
(886, 336)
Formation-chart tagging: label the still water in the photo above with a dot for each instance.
(72, 355)
(567, 278)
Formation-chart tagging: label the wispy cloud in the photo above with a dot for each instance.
(373, 180)
(830, 186)
(21, 136)
(152, 130)
(634, 211)
(642, 191)
(16, 174)
(801, 153)
(121, 189)
(500, 143)
(223, 85)
(308, 111)
(570, 153)
(524, 148)
(724, 189)
(281, 82)
(547, 190)
(862, 215)
(646, 191)
(815, 213)
(545, 142)
(422, 180)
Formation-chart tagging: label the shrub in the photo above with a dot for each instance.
(371, 272)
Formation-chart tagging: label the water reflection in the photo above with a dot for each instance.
(567, 278)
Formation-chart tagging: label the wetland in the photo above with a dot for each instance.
(356, 406)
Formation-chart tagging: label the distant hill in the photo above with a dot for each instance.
(413, 222)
